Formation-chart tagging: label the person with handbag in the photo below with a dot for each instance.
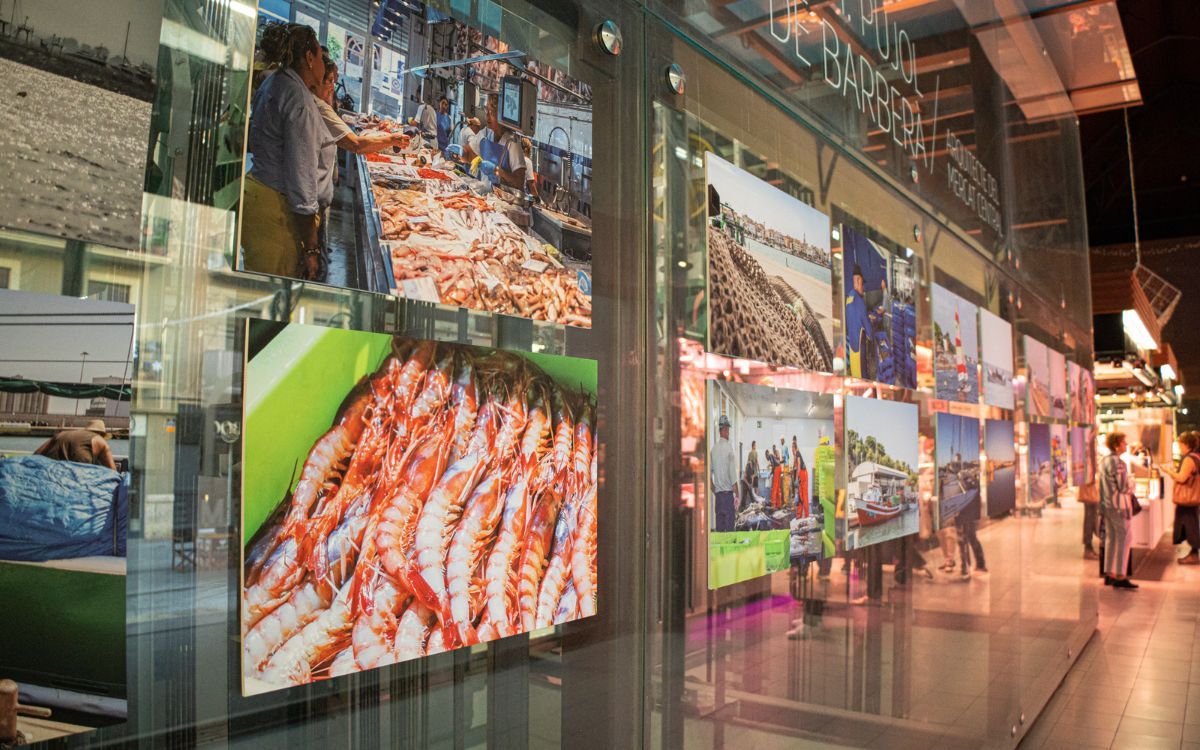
(1117, 509)
(1186, 496)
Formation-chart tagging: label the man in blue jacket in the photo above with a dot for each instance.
(858, 323)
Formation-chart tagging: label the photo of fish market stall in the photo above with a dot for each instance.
(479, 196)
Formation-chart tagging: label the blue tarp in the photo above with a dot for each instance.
(57, 510)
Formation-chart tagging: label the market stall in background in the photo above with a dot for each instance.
(482, 199)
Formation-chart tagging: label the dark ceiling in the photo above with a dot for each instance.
(1164, 40)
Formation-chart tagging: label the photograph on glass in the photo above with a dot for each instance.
(79, 82)
(770, 277)
(880, 312)
(428, 497)
(996, 344)
(882, 452)
(1081, 469)
(955, 347)
(1083, 394)
(1001, 450)
(1060, 454)
(1042, 486)
(469, 186)
(766, 450)
(1058, 384)
(957, 466)
(65, 387)
(1037, 380)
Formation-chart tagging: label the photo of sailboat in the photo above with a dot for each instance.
(957, 465)
(956, 347)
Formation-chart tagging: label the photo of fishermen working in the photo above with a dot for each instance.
(65, 391)
(765, 466)
(445, 167)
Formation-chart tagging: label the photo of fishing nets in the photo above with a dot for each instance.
(770, 274)
(428, 496)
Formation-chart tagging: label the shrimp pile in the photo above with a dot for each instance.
(474, 254)
(452, 502)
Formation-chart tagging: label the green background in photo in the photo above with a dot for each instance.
(294, 388)
(736, 556)
(70, 630)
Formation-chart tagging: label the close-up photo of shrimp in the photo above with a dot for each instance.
(451, 501)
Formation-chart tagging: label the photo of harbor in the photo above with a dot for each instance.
(957, 466)
(1001, 473)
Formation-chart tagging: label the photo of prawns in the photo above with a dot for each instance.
(452, 501)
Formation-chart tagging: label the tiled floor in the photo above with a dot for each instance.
(1138, 683)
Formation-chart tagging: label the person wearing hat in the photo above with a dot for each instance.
(723, 472)
(85, 446)
(858, 323)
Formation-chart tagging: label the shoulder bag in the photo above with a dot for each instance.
(1188, 493)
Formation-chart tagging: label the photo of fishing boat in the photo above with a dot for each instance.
(957, 465)
(1001, 476)
(881, 461)
(955, 347)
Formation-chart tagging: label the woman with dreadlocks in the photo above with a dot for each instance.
(284, 192)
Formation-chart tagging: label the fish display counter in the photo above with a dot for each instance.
(433, 232)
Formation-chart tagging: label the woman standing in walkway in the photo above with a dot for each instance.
(1186, 496)
(1116, 506)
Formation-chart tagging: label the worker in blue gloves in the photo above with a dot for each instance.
(858, 324)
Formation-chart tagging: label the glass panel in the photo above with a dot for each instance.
(865, 648)
(539, 689)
